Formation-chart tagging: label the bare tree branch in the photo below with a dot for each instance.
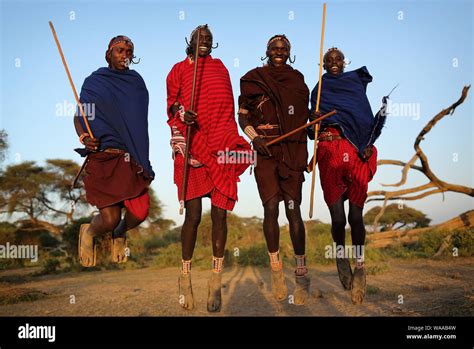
(424, 159)
(391, 194)
(441, 185)
(49, 207)
(416, 197)
(407, 166)
(37, 225)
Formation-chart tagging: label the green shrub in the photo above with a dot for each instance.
(169, 256)
(160, 241)
(430, 242)
(50, 266)
(463, 240)
(256, 255)
(7, 233)
(48, 240)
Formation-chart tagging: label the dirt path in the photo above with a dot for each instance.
(428, 288)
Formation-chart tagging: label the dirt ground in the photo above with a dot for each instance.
(418, 287)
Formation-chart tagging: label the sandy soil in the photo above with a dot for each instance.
(428, 288)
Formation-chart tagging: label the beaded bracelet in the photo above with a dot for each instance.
(82, 136)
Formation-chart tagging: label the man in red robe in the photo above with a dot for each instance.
(218, 155)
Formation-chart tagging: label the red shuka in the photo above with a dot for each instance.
(343, 172)
(216, 129)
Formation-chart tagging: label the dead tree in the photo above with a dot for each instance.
(434, 186)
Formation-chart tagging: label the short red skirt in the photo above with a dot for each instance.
(342, 171)
(199, 185)
(116, 179)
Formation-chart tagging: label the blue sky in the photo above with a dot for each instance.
(425, 46)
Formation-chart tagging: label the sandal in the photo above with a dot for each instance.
(358, 286)
(91, 258)
(345, 272)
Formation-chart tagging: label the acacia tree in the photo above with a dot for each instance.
(155, 214)
(3, 144)
(62, 199)
(3, 150)
(397, 217)
(23, 187)
(40, 195)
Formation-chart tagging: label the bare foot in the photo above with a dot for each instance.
(279, 289)
(186, 299)
(214, 296)
(87, 248)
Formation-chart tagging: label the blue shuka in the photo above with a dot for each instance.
(346, 93)
(120, 117)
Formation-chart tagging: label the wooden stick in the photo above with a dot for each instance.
(309, 124)
(78, 174)
(184, 185)
(316, 129)
(86, 122)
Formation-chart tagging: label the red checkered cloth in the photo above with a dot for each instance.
(216, 129)
(343, 171)
(201, 185)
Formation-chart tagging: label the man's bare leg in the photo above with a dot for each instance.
(298, 239)
(219, 238)
(271, 231)
(188, 242)
(119, 236)
(338, 230)
(106, 221)
(356, 222)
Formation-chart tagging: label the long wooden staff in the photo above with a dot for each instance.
(309, 124)
(86, 122)
(184, 185)
(316, 127)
